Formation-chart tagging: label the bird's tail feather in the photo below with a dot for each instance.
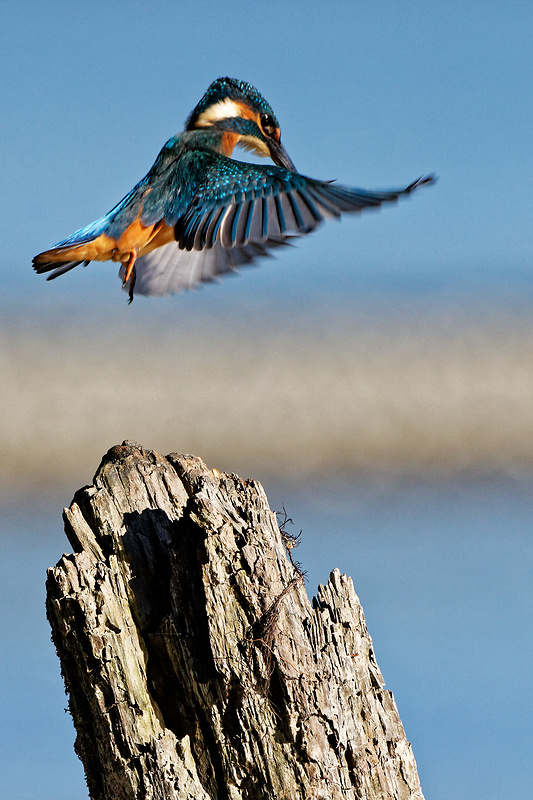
(57, 268)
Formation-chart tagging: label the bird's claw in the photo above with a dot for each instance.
(130, 274)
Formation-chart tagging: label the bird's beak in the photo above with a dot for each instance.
(279, 155)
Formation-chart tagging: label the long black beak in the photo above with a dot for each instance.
(280, 156)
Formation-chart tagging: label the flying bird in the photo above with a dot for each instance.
(198, 213)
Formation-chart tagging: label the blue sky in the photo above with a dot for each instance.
(372, 94)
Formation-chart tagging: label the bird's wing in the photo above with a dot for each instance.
(240, 212)
(170, 269)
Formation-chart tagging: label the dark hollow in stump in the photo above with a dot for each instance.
(196, 665)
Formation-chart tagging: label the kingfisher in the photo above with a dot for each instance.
(198, 213)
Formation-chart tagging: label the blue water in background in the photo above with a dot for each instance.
(443, 570)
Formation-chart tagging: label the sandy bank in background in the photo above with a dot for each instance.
(415, 396)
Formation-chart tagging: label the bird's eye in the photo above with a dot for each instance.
(268, 125)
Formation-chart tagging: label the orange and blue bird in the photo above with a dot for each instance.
(199, 213)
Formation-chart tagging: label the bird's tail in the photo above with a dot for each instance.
(52, 261)
(68, 254)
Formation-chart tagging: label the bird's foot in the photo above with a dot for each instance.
(130, 274)
(133, 277)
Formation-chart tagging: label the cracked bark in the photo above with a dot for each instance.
(196, 665)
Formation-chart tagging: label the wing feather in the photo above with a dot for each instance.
(260, 209)
(171, 269)
(280, 216)
(224, 213)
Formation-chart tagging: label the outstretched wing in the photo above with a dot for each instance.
(240, 212)
(170, 269)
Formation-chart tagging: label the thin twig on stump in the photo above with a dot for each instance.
(196, 665)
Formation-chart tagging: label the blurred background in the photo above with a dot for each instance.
(377, 379)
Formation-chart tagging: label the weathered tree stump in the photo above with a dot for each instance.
(196, 665)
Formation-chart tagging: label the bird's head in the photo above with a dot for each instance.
(237, 108)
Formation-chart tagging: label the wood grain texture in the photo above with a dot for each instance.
(196, 665)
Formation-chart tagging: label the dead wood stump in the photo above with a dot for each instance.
(196, 665)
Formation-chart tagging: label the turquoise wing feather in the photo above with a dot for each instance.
(227, 213)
